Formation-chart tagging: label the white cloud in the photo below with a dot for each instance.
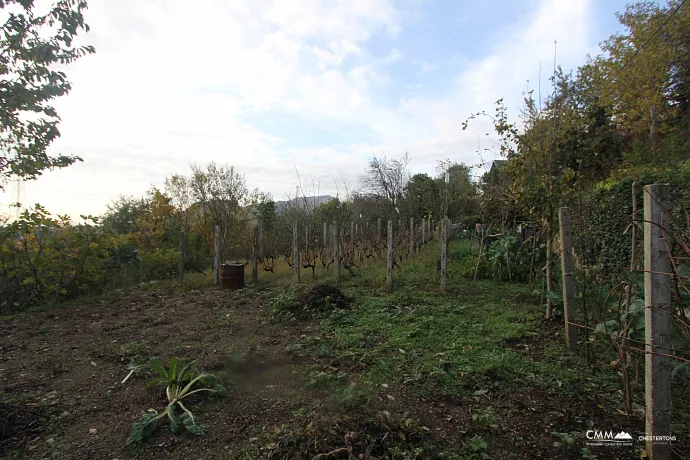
(171, 84)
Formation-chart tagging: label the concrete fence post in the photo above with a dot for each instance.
(657, 296)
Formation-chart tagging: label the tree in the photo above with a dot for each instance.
(179, 189)
(387, 178)
(123, 215)
(221, 198)
(31, 44)
(422, 197)
(461, 192)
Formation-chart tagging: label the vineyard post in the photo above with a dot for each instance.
(423, 231)
(336, 253)
(325, 235)
(549, 273)
(378, 236)
(255, 256)
(568, 278)
(352, 239)
(657, 296)
(180, 262)
(295, 250)
(389, 257)
(444, 231)
(411, 236)
(216, 257)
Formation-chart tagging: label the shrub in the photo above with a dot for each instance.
(509, 259)
(44, 259)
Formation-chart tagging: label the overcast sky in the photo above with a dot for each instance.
(314, 85)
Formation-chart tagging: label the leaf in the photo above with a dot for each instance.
(172, 368)
(402, 351)
(190, 423)
(143, 428)
(153, 382)
(480, 392)
(157, 365)
(176, 425)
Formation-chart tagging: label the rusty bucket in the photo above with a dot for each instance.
(232, 276)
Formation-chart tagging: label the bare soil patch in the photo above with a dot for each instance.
(67, 364)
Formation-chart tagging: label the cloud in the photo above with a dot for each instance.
(173, 84)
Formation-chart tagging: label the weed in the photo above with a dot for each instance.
(138, 351)
(222, 321)
(477, 447)
(485, 417)
(321, 379)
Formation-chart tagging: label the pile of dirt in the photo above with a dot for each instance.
(365, 436)
(321, 298)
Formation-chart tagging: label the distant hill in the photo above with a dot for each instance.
(310, 201)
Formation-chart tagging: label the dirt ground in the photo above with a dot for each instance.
(62, 372)
(66, 366)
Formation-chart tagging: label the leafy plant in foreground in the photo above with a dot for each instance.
(181, 382)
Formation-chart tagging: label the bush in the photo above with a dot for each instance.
(509, 259)
(159, 264)
(609, 213)
(44, 259)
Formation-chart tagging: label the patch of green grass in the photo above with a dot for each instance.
(438, 344)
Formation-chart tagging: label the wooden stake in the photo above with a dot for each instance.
(216, 258)
(389, 257)
(255, 256)
(568, 279)
(180, 262)
(444, 244)
(549, 273)
(411, 236)
(336, 253)
(378, 236)
(295, 251)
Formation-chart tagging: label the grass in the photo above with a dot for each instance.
(478, 340)
(480, 350)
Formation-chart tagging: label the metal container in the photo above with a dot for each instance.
(232, 276)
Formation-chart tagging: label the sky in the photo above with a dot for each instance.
(281, 87)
